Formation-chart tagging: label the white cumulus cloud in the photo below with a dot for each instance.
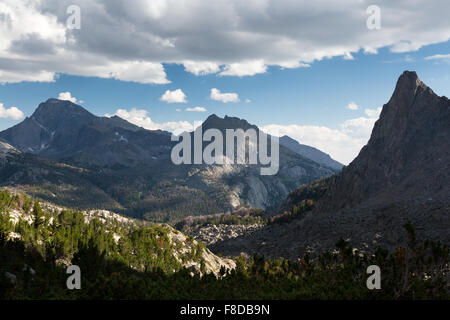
(67, 96)
(201, 68)
(339, 145)
(246, 68)
(10, 113)
(224, 97)
(138, 71)
(352, 106)
(373, 113)
(342, 144)
(359, 128)
(196, 109)
(175, 96)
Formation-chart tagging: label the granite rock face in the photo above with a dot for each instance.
(407, 156)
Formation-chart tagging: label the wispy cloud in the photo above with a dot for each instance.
(196, 109)
(352, 106)
(443, 57)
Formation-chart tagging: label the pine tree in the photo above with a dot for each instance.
(38, 218)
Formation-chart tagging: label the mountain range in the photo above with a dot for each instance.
(68, 156)
(65, 154)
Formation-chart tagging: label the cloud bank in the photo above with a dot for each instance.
(130, 40)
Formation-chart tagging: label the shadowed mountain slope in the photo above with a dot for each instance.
(311, 153)
(401, 175)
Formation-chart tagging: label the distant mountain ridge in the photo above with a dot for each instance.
(62, 130)
(311, 153)
(69, 155)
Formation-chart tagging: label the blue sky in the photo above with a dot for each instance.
(308, 103)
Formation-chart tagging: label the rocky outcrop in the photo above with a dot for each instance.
(212, 234)
(7, 150)
(182, 246)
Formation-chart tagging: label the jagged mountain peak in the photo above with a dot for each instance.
(411, 99)
(409, 82)
(212, 117)
(213, 121)
(408, 85)
(407, 153)
(408, 77)
(59, 108)
(59, 129)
